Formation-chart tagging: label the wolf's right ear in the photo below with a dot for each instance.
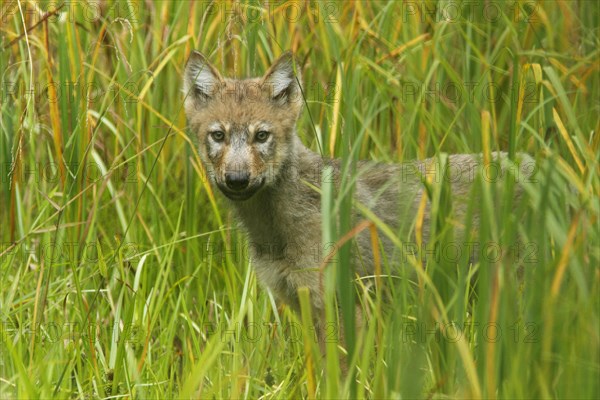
(200, 79)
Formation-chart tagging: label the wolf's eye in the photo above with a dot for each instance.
(217, 136)
(262, 136)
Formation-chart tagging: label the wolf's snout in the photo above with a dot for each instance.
(237, 180)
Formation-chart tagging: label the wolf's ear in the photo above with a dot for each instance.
(200, 79)
(282, 80)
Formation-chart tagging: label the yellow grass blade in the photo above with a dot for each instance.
(564, 257)
(336, 110)
(567, 138)
(399, 50)
(53, 105)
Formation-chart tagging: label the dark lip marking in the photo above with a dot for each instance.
(243, 194)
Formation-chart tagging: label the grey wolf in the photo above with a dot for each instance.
(246, 135)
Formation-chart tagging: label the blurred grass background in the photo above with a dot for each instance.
(122, 275)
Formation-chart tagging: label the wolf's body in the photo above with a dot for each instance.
(271, 183)
(283, 221)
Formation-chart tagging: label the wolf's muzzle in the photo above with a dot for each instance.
(240, 189)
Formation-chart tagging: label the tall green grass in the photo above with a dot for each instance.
(122, 274)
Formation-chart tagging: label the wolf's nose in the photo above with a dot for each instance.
(237, 180)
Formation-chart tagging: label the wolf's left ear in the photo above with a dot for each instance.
(282, 80)
(201, 79)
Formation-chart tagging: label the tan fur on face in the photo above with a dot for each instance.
(246, 105)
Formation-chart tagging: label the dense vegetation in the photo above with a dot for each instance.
(122, 274)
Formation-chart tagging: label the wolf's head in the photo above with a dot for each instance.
(245, 128)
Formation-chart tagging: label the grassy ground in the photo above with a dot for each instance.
(123, 276)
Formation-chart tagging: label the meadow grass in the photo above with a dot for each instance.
(123, 274)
